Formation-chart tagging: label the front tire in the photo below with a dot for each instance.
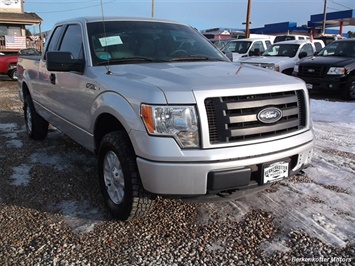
(119, 178)
(36, 125)
(349, 91)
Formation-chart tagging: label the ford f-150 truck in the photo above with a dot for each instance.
(332, 69)
(165, 111)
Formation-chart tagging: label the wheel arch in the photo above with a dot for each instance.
(287, 71)
(11, 66)
(24, 90)
(104, 124)
(112, 112)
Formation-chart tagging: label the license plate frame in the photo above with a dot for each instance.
(275, 171)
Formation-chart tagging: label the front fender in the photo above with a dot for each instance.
(126, 113)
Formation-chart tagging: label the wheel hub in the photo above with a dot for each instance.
(113, 177)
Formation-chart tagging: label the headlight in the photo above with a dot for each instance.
(295, 68)
(336, 71)
(179, 122)
(273, 67)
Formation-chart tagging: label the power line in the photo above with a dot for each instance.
(341, 5)
(59, 3)
(72, 9)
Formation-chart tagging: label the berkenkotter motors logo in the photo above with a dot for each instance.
(322, 260)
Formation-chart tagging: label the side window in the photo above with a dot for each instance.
(268, 43)
(73, 42)
(307, 48)
(318, 46)
(53, 42)
(258, 45)
(231, 47)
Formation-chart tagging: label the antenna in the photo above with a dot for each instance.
(105, 37)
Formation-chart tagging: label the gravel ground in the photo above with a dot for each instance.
(51, 213)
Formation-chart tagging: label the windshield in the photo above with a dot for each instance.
(143, 41)
(284, 38)
(289, 50)
(240, 47)
(345, 49)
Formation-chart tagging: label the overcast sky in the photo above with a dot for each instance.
(198, 13)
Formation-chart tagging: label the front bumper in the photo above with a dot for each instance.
(193, 179)
(327, 83)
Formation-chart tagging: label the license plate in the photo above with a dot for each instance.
(309, 86)
(275, 171)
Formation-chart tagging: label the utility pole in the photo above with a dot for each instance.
(247, 23)
(324, 16)
(152, 8)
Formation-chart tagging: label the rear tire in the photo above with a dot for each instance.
(36, 125)
(13, 74)
(119, 178)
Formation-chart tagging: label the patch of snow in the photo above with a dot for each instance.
(21, 175)
(15, 143)
(80, 215)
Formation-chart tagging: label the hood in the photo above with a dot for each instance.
(264, 59)
(175, 78)
(329, 60)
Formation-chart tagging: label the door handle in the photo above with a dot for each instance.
(52, 78)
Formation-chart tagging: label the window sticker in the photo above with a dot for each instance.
(108, 41)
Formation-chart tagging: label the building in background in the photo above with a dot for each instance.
(312, 28)
(13, 22)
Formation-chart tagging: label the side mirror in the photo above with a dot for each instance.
(64, 62)
(302, 55)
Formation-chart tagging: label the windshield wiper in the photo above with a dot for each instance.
(195, 58)
(129, 60)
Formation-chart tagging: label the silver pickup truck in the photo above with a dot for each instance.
(165, 111)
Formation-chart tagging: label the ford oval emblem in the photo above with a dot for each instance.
(270, 115)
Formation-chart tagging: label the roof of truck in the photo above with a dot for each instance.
(90, 19)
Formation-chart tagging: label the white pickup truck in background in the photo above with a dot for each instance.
(165, 111)
(237, 49)
(282, 56)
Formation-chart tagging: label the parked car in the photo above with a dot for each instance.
(239, 48)
(8, 62)
(8, 65)
(332, 69)
(290, 37)
(283, 56)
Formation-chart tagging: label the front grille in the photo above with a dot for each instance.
(234, 118)
(312, 71)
